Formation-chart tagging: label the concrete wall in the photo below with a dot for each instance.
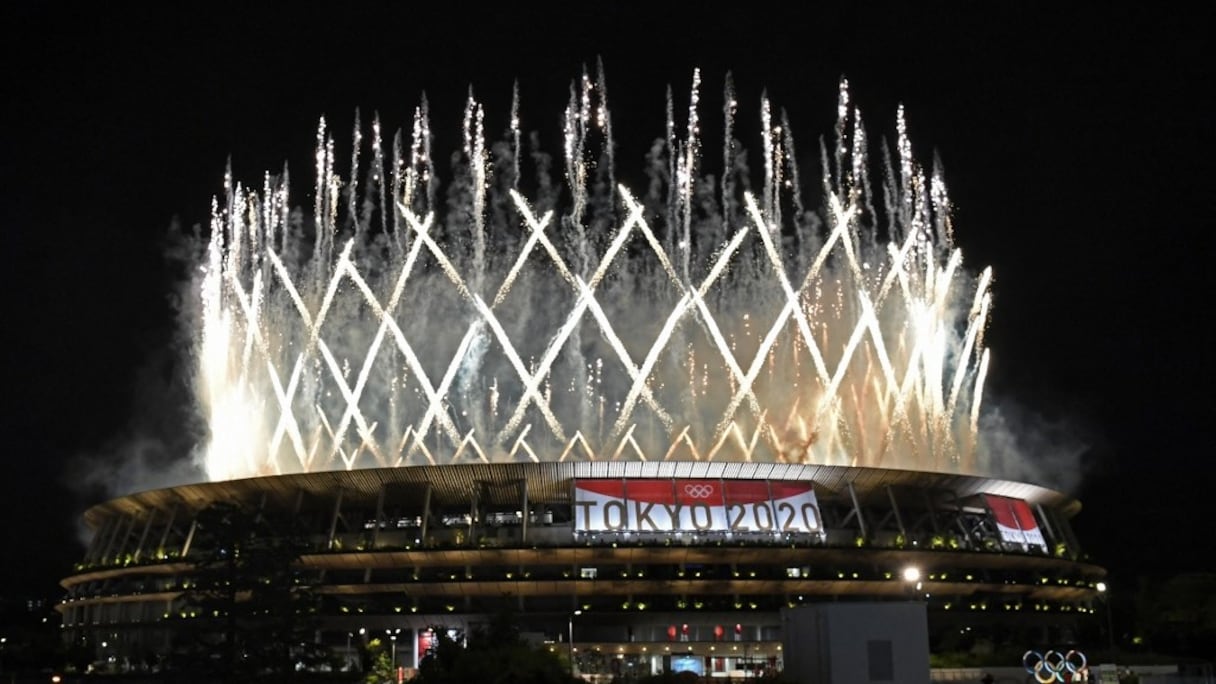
(856, 643)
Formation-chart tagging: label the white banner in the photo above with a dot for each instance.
(652, 505)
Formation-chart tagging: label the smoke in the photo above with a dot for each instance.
(1024, 444)
(151, 453)
(131, 463)
(157, 446)
(135, 463)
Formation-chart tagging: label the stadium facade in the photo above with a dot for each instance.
(629, 566)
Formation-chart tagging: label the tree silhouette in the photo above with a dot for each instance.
(493, 655)
(249, 610)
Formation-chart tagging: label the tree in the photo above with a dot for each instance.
(379, 666)
(1176, 615)
(493, 655)
(249, 610)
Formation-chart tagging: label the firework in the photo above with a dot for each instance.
(504, 317)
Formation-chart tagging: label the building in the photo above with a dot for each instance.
(631, 566)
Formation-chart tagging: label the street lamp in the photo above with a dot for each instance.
(1110, 630)
(570, 639)
(911, 576)
(392, 636)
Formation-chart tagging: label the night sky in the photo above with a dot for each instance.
(1077, 144)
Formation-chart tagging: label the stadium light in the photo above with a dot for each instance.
(1110, 626)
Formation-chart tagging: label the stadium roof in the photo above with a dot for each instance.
(550, 482)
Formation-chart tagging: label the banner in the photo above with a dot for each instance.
(700, 505)
(1014, 520)
(428, 641)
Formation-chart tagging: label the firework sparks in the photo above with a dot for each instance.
(709, 323)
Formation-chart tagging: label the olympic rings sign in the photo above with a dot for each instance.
(699, 491)
(1051, 666)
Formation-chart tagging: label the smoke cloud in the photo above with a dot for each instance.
(1024, 444)
(158, 445)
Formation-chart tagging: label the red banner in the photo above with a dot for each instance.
(1014, 520)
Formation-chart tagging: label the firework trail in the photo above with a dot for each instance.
(511, 321)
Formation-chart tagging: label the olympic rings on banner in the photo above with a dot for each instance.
(699, 491)
(1051, 666)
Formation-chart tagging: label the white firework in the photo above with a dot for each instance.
(699, 322)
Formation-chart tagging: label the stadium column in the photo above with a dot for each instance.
(861, 521)
(189, 537)
(426, 511)
(1066, 529)
(97, 545)
(133, 520)
(116, 530)
(734, 573)
(480, 494)
(954, 514)
(474, 502)
(523, 509)
(899, 520)
(523, 536)
(379, 517)
(932, 512)
(143, 537)
(164, 536)
(1052, 537)
(333, 520)
(367, 572)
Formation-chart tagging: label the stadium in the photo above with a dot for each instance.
(415, 548)
(643, 426)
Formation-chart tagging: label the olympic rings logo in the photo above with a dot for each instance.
(699, 491)
(1051, 666)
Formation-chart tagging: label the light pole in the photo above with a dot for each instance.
(351, 659)
(1110, 630)
(570, 640)
(393, 638)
